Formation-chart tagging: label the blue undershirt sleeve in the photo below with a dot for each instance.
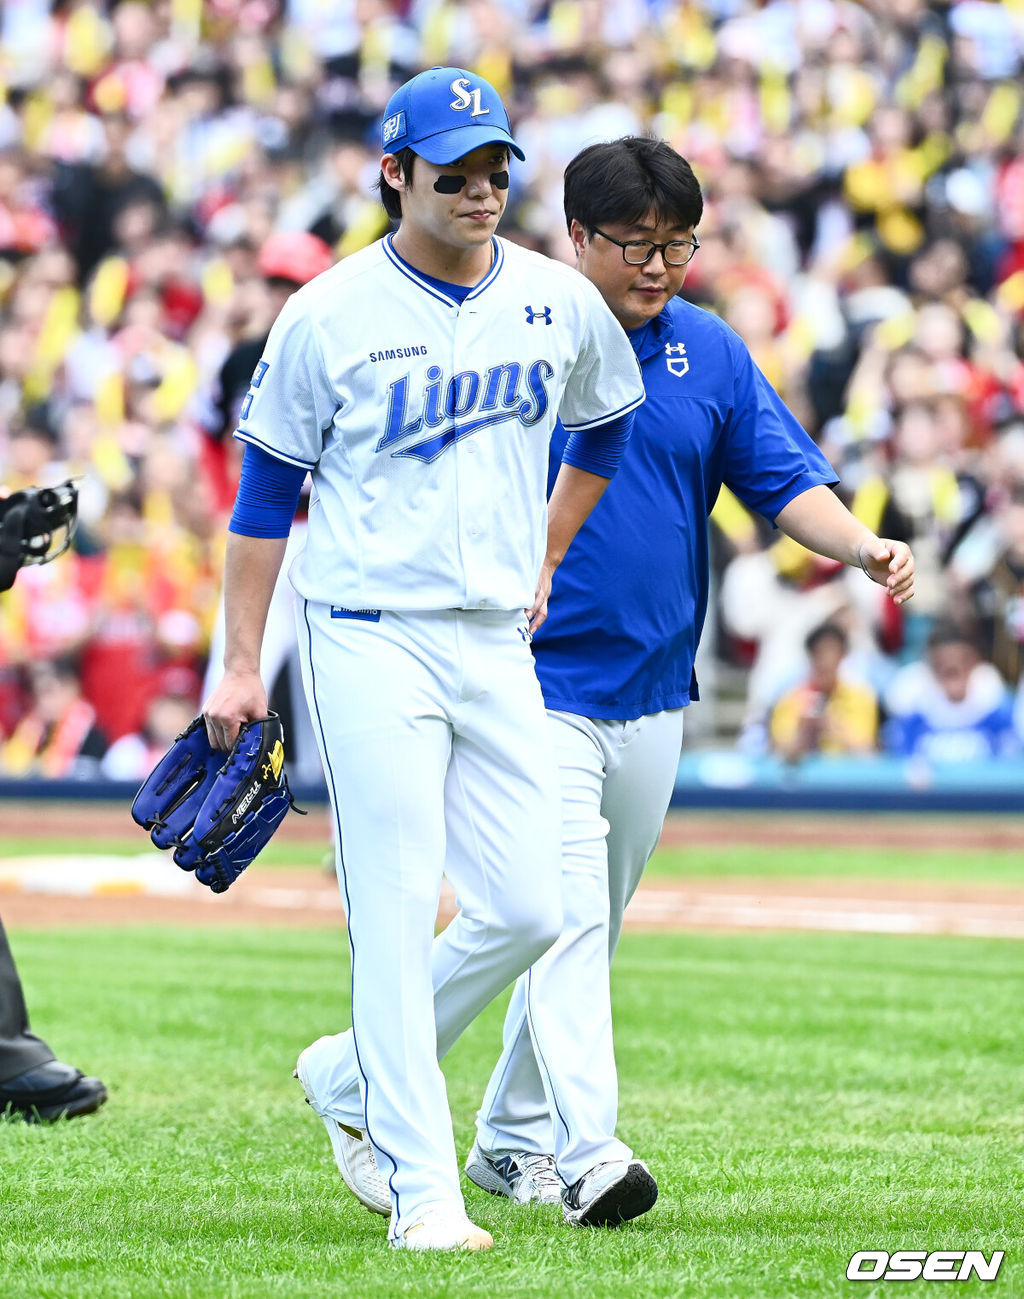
(599, 450)
(268, 495)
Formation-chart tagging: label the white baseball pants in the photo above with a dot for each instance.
(438, 760)
(555, 1088)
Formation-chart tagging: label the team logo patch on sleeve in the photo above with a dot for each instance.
(257, 378)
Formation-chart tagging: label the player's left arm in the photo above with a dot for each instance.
(819, 520)
(574, 495)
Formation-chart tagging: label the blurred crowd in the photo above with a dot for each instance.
(863, 165)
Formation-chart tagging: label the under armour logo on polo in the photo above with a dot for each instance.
(676, 359)
(533, 316)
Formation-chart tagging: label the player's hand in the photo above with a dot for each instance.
(890, 564)
(538, 611)
(239, 697)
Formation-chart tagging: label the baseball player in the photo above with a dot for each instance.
(615, 661)
(418, 382)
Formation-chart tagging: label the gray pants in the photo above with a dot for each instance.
(19, 1049)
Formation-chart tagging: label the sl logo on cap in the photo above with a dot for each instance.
(464, 97)
(393, 127)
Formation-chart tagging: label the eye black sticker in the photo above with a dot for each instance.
(452, 184)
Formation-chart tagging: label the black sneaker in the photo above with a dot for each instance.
(609, 1195)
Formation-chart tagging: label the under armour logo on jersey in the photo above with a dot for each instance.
(504, 392)
(533, 316)
(464, 97)
(676, 359)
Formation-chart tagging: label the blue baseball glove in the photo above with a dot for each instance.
(217, 813)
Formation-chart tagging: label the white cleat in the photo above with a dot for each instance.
(444, 1229)
(353, 1154)
(522, 1177)
(610, 1194)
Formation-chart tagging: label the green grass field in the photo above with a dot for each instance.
(807, 861)
(799, 1097)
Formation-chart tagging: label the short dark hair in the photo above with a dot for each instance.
(625, 179)
(389, 196)
(945, 631)
(826, 631)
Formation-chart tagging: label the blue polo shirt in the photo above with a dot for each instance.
(628, 602)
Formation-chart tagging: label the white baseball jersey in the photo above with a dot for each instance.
(425, 424)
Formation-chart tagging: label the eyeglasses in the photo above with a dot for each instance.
(637, 252)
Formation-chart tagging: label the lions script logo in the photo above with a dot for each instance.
(464, 404)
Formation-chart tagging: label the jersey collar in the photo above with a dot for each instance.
(649, 339)
(410, 272)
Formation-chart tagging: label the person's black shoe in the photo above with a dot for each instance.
(49, 1092)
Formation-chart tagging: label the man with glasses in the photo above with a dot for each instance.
(615, 660)
(638, 252)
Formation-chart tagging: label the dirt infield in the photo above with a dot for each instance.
(310, 897)
(955, 831)
(304, 898)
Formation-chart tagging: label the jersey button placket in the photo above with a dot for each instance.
(469, 490)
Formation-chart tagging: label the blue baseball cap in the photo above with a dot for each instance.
(443, 114)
